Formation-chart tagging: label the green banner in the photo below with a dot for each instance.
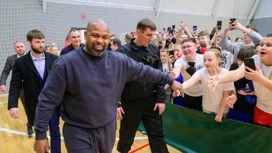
(192, 131)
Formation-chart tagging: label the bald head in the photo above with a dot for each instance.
(97, 37)
(97, 23)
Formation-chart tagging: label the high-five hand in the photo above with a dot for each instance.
(213, 80)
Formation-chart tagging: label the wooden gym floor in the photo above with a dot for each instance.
(13, 137)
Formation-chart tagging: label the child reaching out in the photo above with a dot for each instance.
(261, 78)
(243, 109)
(214, 102)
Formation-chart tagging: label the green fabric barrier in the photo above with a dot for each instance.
(192, 131)
(141, 127)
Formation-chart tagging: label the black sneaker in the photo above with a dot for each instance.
(29, 130)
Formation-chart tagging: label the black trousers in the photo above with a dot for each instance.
(135, 112)
(192, 102)
(86, 140)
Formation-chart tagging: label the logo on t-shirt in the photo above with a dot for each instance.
(198, 67)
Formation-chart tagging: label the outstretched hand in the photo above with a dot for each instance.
(177, 87)
(230, 100)
(213, 80)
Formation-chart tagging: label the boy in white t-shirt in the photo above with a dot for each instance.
(189, 63)
(213, 102)
(262, 81)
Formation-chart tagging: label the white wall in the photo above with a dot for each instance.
(264, 9)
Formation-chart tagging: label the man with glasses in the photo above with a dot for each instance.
(187, 65)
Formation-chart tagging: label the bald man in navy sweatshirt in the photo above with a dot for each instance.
(88, 83)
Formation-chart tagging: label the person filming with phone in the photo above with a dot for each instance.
(261, 77)
(250, 36)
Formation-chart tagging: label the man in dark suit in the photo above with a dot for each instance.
(30, 72)
(19, 48)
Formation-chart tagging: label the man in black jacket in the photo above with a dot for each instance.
(30, 72)
(142, 101)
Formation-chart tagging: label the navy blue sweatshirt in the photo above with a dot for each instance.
(89, 88)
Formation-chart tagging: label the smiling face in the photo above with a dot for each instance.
(164, 56)
(74, 38)
(97, 37)
(211, 60)
(189, 50)
(265, 52)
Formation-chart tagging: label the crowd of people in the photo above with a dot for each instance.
(201, 71)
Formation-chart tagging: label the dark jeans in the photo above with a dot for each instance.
(192, 102)
(135, 112)
(54, 130)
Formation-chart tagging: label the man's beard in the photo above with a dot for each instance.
(35, 50)
(93, 52)
(96, 53)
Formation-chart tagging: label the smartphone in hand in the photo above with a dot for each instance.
(173, 27)
(194, 28)
(219, 25)
(171, 52)
(249, 62)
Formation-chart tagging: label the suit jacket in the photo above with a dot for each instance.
(25, 74)
(8, 67)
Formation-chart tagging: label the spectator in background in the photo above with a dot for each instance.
(250, 36)
(74, 38)
(47, 49)
(166, 68)
(54, 50)
(258, 47)
(178, 50)
(243, 109)
(177, 54)
(111, 37)
(239, 40)
(170, 40)
(227, 57)
(19, 48)
(183, 33)
(115, 44)
(128, 37)
(204, 42)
